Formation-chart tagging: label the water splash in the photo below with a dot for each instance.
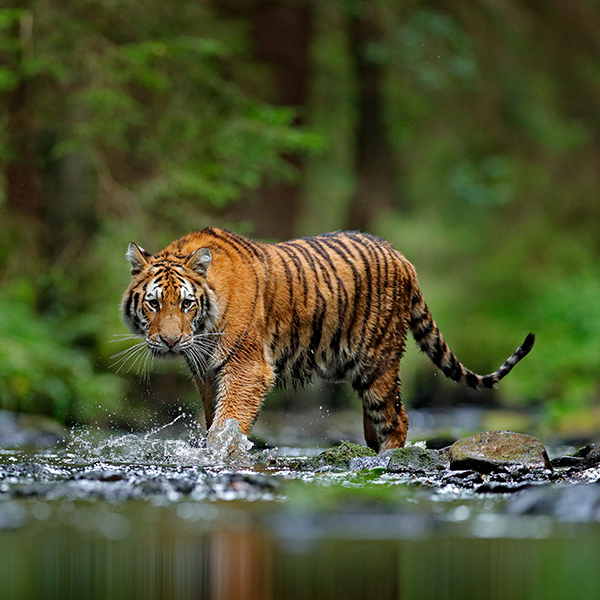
(162, 427)
(226, 446)
(228, 442)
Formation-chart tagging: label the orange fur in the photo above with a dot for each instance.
(248, 315)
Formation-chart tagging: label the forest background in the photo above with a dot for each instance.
(465, 132)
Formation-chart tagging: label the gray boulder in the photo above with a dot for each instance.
(497, 450)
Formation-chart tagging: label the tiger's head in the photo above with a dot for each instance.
(169, 302)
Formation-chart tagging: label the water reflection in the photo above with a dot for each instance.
(223, 551)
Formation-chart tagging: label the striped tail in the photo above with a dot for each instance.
(431, 342)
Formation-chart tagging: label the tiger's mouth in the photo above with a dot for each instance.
(166, 347)
(167, 354)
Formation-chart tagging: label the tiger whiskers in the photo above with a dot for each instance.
(146, 367)
(126, 336)
(133, 355)
(197, 358)
(197, 353)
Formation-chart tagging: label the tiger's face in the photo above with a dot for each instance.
(169, 302)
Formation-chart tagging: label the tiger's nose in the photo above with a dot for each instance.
(169, 340)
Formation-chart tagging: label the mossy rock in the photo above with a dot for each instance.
(340, 456)
(493, 450)
(415, 458)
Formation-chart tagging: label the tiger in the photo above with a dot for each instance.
(247, 316)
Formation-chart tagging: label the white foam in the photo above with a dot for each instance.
(228, 442)
(224, 446)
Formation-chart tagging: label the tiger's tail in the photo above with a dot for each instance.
(431, 342)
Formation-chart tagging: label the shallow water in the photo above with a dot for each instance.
(140, 516)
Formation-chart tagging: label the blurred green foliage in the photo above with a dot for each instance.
(41, 367)
(144, 124)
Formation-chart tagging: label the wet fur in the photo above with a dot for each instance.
(338, 305)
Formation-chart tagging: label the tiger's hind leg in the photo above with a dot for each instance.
(384, 419)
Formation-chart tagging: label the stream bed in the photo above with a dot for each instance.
(142, 516)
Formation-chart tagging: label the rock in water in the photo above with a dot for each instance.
(592, 458)
(494, 450)
(340, 456)
(416, 459)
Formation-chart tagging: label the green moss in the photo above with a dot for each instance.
(340, 456)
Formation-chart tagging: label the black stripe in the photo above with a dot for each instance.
(320, 309)
(438, 352)
(249, 245)
(342, 293)
(379, 253)
(425, 331)
(270, 289)
(377, 405)
(415, 321)
(393, 311)
(488, 381)
(365, 380)
(295, 332)
(317, 333)
(417, 298)
(380, 287)
(314, 259)
(338, 246)
(453, 371)
(288, 274)
(472, 379)
(237, 242)
(286, 353)
(321, 252)
(364, 339)
(291, 252)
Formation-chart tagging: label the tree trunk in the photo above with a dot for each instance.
(374, 165)
(282, 33)
(24, 195)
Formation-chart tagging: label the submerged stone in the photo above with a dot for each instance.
(592, 458)
(565, 502)
(340, 456)
(415, 458)
(584, 458)
(107, 476)
(566, 461)
(464, 479)
(494, 450)
(501, 488)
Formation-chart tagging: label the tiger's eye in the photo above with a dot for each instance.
(154, 304)
(187, 303)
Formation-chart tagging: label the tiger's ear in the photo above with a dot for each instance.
(199, 261)
(137, 257)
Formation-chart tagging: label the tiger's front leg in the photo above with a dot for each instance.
(206, 389)
(240, 387)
